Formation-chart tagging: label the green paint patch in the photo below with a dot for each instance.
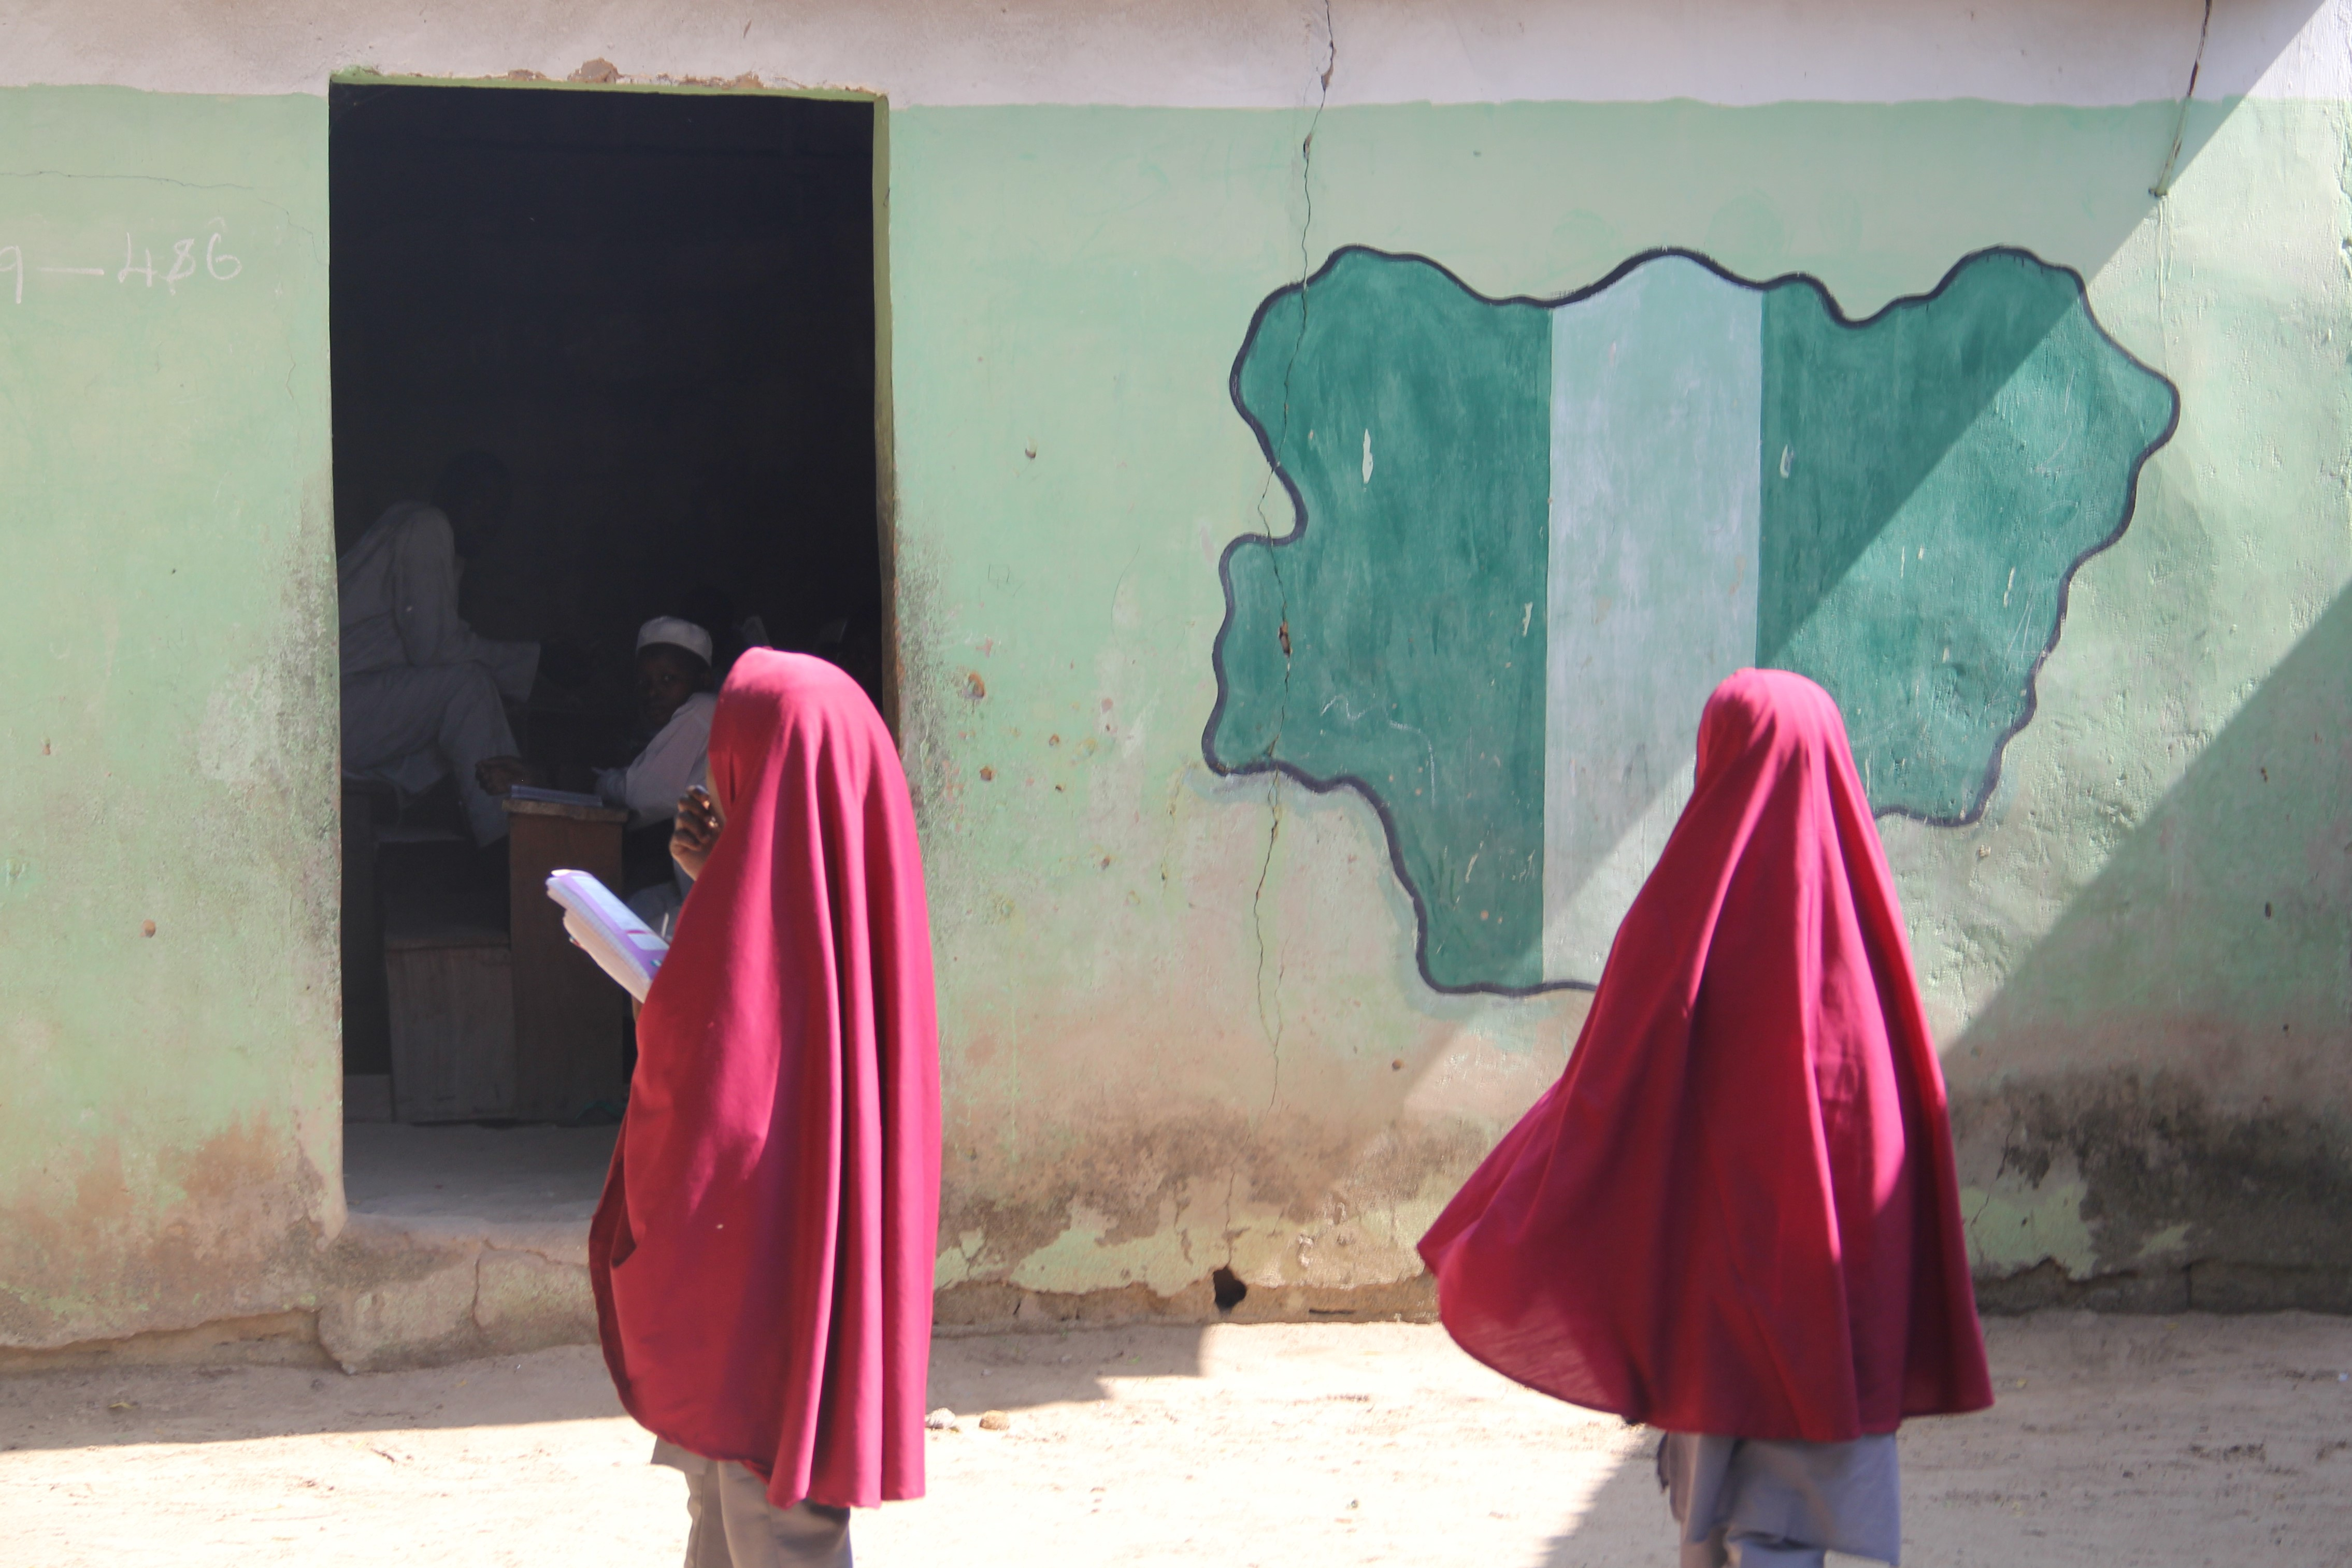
(1401, 647)
(1084, 1257)
(1932, 478)
(1529, 537)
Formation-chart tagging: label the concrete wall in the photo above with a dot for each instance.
(1188, 1023)
(170, 1138)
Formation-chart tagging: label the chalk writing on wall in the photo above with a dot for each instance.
(1585, 512)
(185, 261)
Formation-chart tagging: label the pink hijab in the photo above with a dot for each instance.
(762, 1256)
(1735, 1212)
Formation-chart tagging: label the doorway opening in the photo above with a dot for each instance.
(656, 311)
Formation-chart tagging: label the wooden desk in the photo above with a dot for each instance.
(568, 1017)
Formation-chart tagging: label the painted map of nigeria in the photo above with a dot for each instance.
(1532, 538)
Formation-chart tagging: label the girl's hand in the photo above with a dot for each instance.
(695, 831)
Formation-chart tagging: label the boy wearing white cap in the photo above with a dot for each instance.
(674, 683)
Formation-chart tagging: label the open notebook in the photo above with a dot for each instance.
(601, 925)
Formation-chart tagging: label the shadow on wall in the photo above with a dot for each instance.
(2211, 951)
(1271, 711)
(1343, 1141)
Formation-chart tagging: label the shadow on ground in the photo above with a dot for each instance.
(113, 1406)
(1626, 1522)
(1020, 1370)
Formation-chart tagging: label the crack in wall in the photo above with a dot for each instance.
(2163, 186)
(473, 1307)
(1233, 1179)
(1268, 1005)
(1993, 1186)
(1269, 1010)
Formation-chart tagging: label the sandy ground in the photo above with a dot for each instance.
(2118, 1440)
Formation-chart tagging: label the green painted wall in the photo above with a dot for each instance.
(1900, 503)
(1185, 1023)
(1917, 567)
(1394, 643)
(169, 1103)
(1186, 1028)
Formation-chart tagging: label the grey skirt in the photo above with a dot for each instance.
(1834, 1497)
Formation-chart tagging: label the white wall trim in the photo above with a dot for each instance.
(1263, 54)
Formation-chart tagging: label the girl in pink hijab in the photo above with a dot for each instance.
(762, 1256)
(1734, 1217)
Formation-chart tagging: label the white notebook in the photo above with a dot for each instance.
(556, 796)
(601, 926)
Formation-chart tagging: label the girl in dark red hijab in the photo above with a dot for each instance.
(1735, 1216)
(762, 1256)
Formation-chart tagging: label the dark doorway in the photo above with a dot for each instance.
(658, 307)
(658, 311)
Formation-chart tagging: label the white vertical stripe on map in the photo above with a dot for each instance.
(1656, 409)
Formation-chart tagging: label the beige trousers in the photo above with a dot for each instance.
(735, 1525)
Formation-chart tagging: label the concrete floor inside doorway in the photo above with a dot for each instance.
(463, 1242)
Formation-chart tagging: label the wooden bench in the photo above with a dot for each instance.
(464, 1021)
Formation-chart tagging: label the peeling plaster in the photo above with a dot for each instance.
(2017, 1224)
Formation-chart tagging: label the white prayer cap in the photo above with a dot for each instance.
(677, 633)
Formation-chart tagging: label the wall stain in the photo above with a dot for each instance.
(1286, 1201)
(237, 1238)
(2189, 1206)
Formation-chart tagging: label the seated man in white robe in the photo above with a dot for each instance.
(422, 694)
(674, 686)
(676, 703)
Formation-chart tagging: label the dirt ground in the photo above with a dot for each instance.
(2118, 1440)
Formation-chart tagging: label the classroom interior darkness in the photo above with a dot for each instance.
(657, 309)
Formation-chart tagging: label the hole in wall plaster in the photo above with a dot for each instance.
(1229, 1289)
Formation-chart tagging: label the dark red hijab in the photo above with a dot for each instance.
(1735, 1212)
(762, 1256)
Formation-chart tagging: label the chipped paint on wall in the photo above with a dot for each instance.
(2015, 1223)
